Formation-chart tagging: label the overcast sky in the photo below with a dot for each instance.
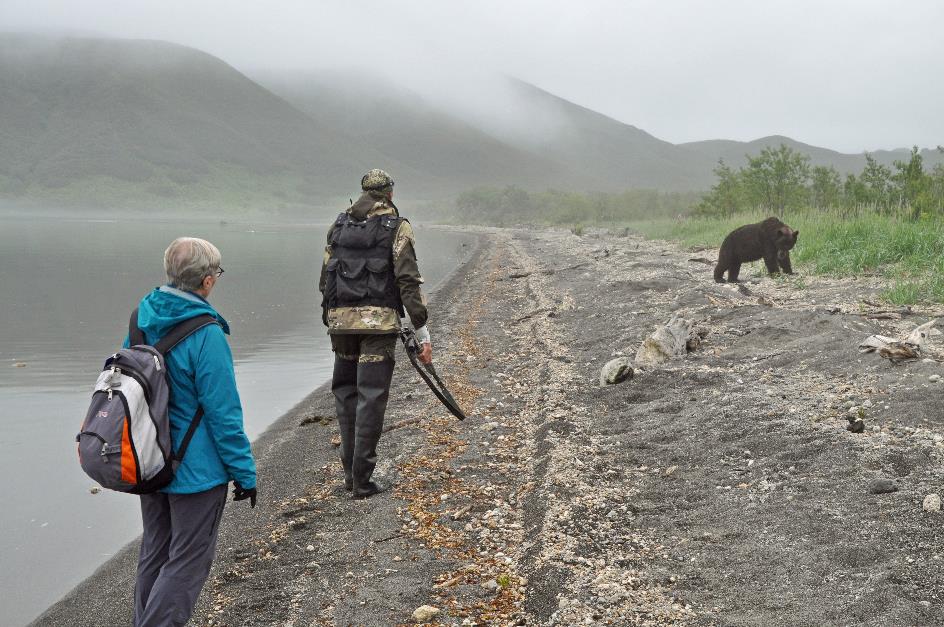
(849, 75)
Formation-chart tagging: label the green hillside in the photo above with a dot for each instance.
(90, 118)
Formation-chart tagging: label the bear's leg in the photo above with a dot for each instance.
(719, 271)
(733, 270)
(784, 260)
(770, 260)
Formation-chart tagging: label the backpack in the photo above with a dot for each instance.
(125, 441)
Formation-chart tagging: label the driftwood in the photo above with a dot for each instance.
(898, 351)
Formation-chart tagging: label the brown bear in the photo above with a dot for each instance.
(770, 240)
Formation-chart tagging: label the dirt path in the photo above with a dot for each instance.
(720, 489)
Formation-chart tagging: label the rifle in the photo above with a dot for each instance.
(438, 387)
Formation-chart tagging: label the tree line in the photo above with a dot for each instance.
(781, 179)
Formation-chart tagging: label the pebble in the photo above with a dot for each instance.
(934, 378)
(882, 486)
(95, 489)
(491, 584)
(310, 547)
(932, 503)
(423, 613)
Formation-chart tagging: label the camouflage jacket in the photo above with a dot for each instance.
(371, 319)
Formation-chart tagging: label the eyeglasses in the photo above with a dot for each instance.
(219, 272)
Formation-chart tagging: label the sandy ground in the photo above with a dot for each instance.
(721, 488)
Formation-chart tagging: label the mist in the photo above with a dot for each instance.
(850, 76)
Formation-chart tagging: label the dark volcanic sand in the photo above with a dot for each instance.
(719, 489)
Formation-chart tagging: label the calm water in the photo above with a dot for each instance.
(67, 288)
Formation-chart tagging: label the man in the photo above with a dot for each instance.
(181, 522)
(369, 279)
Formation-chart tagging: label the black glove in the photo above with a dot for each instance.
(240, 494)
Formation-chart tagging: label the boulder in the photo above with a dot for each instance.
(616, 371)
(669, 341)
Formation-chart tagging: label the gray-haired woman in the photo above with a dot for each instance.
(181, 522)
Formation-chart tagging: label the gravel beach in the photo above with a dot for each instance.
(718, 488)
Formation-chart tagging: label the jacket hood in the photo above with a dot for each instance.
(367, 206)
(168, 306)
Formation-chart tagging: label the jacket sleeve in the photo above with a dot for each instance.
(222, 410)
(324, 262)
(323, 281)
(407, 274)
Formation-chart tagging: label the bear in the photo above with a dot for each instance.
(770, 239)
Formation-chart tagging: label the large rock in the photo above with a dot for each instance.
(616, 371)
(932, 503)
(423, 613)
(669, 341)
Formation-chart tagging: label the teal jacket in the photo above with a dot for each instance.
(201, 372)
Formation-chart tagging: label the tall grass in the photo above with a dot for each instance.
(911, 253)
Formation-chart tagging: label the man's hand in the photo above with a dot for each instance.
(426, 353)
(240, 494)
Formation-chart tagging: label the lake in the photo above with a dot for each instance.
(68, 287)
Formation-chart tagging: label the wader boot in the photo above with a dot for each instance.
(344, 387)
(373, 390)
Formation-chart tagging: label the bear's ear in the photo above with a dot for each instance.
(796, 234)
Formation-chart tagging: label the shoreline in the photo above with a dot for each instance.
(118, 571)
(720, 487)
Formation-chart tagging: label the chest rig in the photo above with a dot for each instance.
(360, 271)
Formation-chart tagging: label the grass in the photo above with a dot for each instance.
(911, 253)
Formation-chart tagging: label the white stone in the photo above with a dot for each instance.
(932, 503)
(425, 612)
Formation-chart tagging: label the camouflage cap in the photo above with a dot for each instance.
(376, 180)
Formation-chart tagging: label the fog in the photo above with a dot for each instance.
(849, 75)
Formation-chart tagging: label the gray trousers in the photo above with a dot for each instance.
(177, 549)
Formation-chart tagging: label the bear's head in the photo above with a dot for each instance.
(786, 238)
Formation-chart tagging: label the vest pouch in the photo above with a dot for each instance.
(377, 271)
(351, 282)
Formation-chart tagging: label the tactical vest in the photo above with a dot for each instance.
(360, 271)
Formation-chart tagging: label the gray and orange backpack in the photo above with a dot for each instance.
(125, 441)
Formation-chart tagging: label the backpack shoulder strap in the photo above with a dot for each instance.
(194, 423)
(183, 330)
(135, 335)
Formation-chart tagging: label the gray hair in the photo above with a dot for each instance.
(189, 260)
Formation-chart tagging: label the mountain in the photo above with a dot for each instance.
(158, 117)
(733, 153)
(421, 134)
(132, 122)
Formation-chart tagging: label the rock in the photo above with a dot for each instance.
(95, 489)
(491, 584)
(882, 486)
(670, 471)
(423, 613)
(336, 441)
(932, 503)
(856, 426)
(934, 378)
(667, 342)
(616, 371)
(19, 364)
(310, 547)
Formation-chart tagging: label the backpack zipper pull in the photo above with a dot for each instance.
(109, 393)
(157, 363)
